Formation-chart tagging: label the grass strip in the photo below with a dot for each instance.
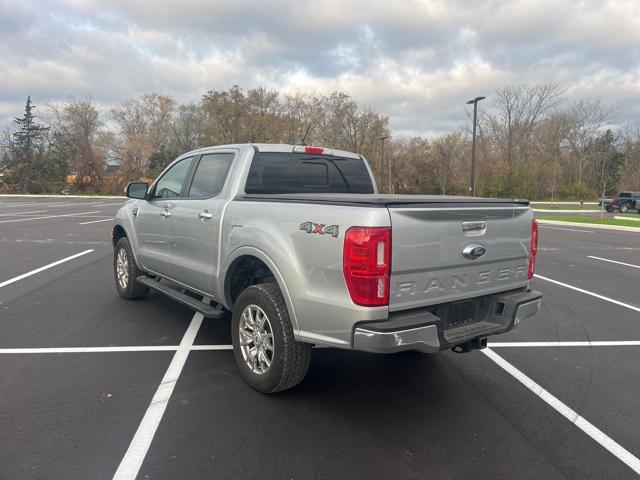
(591, 220)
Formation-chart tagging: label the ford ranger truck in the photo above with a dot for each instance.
(297, 244)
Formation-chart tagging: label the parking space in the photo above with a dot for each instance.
(72, 415)
(91, 383)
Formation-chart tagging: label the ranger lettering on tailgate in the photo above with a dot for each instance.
(452, 282)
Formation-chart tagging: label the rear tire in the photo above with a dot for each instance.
(125, 272)
(267, 354)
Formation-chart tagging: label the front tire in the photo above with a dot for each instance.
(125, 272)
(623, 208)
(269, 358)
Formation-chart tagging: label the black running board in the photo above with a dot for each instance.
(208, 311)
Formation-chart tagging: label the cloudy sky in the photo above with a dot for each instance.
(417, 61)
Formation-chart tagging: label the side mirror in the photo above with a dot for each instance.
(137, 190)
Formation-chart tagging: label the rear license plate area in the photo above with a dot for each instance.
(462, 313)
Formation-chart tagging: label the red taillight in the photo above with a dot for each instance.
(367, 264)
(313, 149)
(533, 249)
(614, 200)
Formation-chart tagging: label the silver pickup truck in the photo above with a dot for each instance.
(298, 245)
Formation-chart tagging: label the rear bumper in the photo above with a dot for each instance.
(429, 330)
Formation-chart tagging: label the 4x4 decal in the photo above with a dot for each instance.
(320, 228)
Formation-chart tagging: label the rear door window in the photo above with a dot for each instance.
(210, 175)
(273, 173)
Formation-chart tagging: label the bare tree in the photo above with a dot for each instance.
(76, 126)
(586, 118)
(449, 152)
(303, 114)
(187, 129)
(605, 161)
(144, 128)
(157, 111)
(515, 113)
(225, 113)
(132, 146)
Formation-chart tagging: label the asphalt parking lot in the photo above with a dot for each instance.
(95, 387)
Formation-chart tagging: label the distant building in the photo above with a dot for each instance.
(113, 162)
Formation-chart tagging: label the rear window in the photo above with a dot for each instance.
(272, 173)
(625, 194)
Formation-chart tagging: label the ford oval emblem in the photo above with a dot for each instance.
(474, 251)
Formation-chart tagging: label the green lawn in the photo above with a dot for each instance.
(563, 206)
(592, 219)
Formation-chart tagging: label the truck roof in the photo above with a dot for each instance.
(272, 147)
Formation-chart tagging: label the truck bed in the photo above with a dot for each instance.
(428, 237)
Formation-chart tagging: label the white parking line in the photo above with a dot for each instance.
(65, 197)
(57, 204)
(614, 261)
(587, 292)
(46, 267)
(48, 216)
(594, 432)
(605, 343)
(132, 461)
(212, 347)
(140, 348)
(95, 221)
(23, 204)
(112, 349)
(86, 204)
(21, 213)
(567, 229)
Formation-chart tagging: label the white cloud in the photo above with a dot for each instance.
(417, 61)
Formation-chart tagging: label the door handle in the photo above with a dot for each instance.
(206, 215)
(165, 213)
(470, 226)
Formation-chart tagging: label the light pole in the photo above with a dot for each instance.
(473, 143)
(382, 139)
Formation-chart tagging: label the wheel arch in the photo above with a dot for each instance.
(235, 264)
(120, 231)
(117, 233)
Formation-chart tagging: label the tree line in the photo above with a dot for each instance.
(532, 142)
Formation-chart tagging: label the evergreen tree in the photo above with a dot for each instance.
(27, 156)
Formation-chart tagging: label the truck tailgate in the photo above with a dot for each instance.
(428, 266)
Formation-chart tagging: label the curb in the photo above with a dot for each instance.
(597, 226)
(618, 217)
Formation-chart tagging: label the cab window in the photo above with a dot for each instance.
(170, 184)
(210, 175)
